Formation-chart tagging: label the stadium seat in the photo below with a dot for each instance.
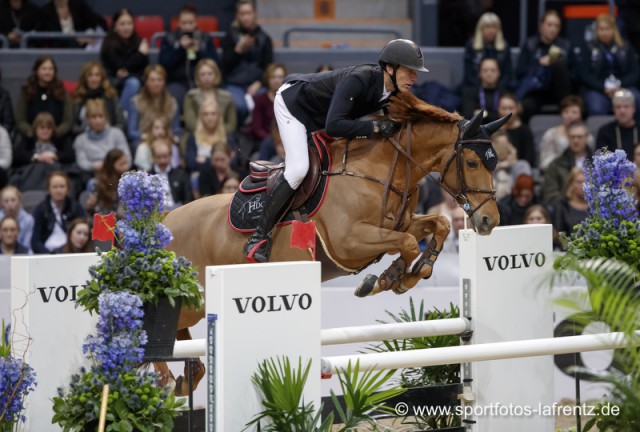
(539, 125)
(205, 23)
(69, 86)
(148, 25)
(31, 199)
(594, 122)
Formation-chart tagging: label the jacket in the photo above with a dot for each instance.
(246, 68)
(556, 174)
(473, 58)
(173, 57)
(335, 100)
(594, 69)
(533, 49)
(118, 54)
(180, 186)
(44, 220)
(7, 119)
(84, 18)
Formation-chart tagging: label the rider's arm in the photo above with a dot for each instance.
(338, 124)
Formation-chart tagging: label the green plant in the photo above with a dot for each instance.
(428, 375)
(141, 264)
(615, 300)
(282, 386)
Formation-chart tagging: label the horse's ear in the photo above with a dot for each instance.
(490, 128)
(474, 123)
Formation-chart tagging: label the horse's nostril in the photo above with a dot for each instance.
(485, 222)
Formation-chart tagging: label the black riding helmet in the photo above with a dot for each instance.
(402, 52)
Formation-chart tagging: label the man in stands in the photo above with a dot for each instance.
(622, 133)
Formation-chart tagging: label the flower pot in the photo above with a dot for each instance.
(161, 324)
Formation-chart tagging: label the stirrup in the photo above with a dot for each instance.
(258, 248)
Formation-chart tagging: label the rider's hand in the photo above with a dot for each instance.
(387, 127)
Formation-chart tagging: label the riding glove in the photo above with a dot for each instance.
(386, 127)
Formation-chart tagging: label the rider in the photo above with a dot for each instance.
(333, 101)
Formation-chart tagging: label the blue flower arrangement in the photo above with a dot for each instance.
(135, 402)
(612, 229)
(141, 264)
(17, 380)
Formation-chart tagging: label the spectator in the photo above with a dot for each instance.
(507, 158)
(572, 207)
(514, 206)
(452, 242)
(555, 177)
(180, 52)
(177, 179)
(70, 16)
(7, 119)
(325, 67)
(92, 146)
(622, 133)
(209, 133)
(6, 156)
(125, 56)
(231, 183)
(78, 237)
(543, 67)
(609, 63)
(52, 216)
(44, 92)
(487, 42)
(160, 128)
(152, 102)
(42, 155)
(213, 176)
(519, 133)
(9, 233)
(262, 116)
(104, 191)
(208, 79)
(538, 214)
(94, 84)
(11, 205)
(17, 17)
(485, 95)
(246, 52)
(555, 140)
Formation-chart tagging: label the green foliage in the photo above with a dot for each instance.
(281, 387)
(614, 297)
(430, 375)
(135, 403)
(151, 276)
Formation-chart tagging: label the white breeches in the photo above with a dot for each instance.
(294, 140)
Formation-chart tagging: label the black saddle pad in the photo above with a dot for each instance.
(245, 208)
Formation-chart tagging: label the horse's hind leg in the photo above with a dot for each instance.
(197, 370)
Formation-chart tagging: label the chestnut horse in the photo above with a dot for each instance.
(367, 210)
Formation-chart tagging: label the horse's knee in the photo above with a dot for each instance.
(410, 248)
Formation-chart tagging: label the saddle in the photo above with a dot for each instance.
(245, 208)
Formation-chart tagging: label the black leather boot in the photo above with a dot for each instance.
(258, 247)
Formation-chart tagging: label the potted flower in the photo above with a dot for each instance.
(163, 281)
(135, 402)
(17, 380)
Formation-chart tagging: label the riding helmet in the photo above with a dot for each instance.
(403, 52)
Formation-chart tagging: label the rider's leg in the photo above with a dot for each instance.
(294, 140)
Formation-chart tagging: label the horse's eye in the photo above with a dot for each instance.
(472, 163)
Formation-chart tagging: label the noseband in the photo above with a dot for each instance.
(461, 195)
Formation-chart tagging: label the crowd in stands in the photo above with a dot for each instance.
(200, 114)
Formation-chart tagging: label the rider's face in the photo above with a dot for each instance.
(405, 77)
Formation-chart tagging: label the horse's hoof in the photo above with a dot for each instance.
(182, 384)
(366, 286)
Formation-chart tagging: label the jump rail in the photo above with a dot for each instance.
(475, 353)
(345, 335)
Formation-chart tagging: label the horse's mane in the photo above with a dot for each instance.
(406, 107)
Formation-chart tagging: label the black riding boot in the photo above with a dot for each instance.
(258, 247)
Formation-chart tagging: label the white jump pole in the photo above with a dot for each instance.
(475, 353)
(355, 334)
(370, 333)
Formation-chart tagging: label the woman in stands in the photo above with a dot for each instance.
(125, 56)
(94, 84)
(44, 92)
(160, 128)
(209, 133)
(519, 133)
(104, 196)
(608, 64)
(208, 79)
(572, 208)
(151, 102)
(53, 214)
(7, 119)
(78, 237)
(11, 205)
(214, 175)
(246, 52)
(555, 140)
(9, 232)
(487, 42)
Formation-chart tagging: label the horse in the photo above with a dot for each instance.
(364, 216)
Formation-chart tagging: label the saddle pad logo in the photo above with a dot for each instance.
(252, 208)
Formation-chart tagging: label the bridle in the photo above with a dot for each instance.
(461, 195)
